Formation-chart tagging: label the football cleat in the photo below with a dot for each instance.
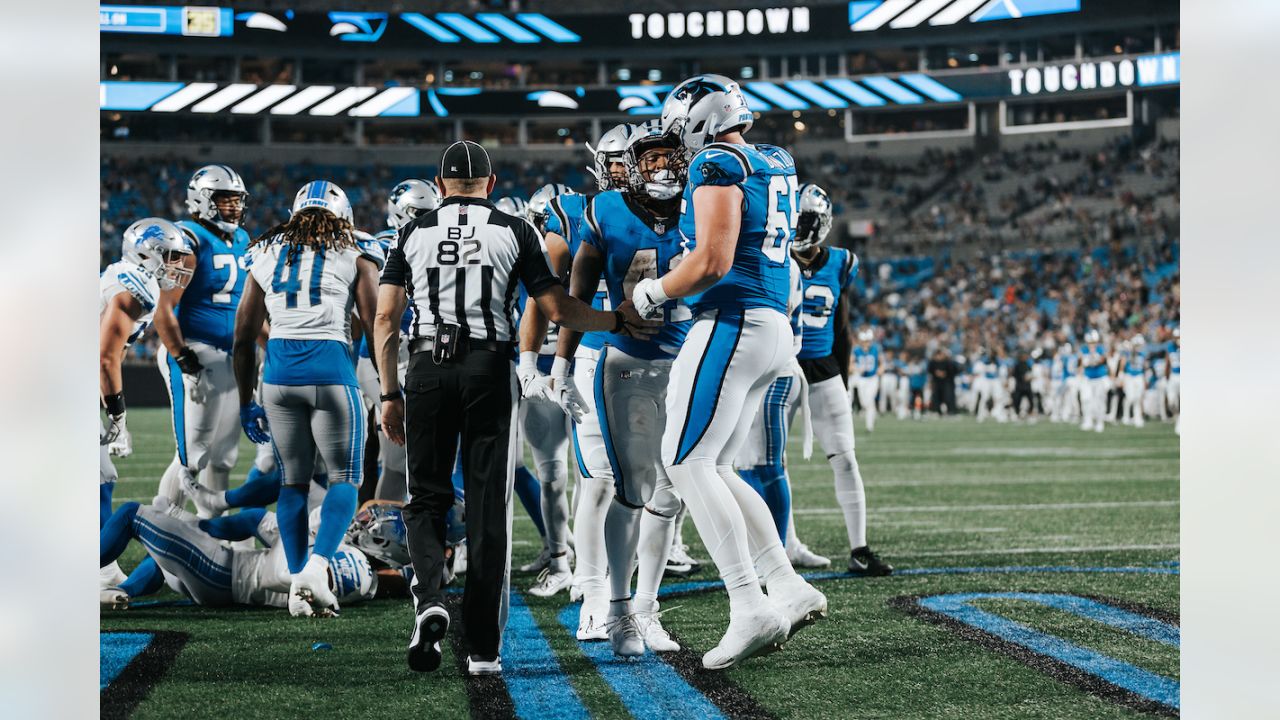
(799, 601)
(656, 637)
(429, 629)
(110, 575)
(539, 564)
(549, 583)
(748, 635)
(592, 618)
(801, 556)
(575, 590)
(209, 503)
(862, 561)
(311, 586)
(624, 636)
(679, 562)
(177, 512)
(113, 598)
(479, 666)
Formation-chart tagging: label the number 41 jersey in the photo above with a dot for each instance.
(760, 277)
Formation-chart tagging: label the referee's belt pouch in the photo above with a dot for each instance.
(445, 345)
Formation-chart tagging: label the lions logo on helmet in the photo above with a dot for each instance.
(350, 576)
(540, 203)
(204, 184)
(410, 199)
(325, 195)
(158, 247)
(379, 531)
(815, 217)
(702, 107)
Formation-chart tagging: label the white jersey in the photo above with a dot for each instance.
(124, 276)
(309, 292)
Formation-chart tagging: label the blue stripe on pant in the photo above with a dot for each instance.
(775, 419)
(178, 393)
(708, 381)
(180, 550)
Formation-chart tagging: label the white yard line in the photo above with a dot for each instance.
(1031, 550)
(990, 508)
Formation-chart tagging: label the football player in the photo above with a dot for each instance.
(152, 257)
(309, 273)
(865, 377)
(632, 233)
(1173, 378)
(1094, 381)
(191, 556)
(738, 217)
(1132, 378)
(195, 324)
(986, 382)
(1066, 393)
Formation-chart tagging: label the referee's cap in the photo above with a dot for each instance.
(465, 159)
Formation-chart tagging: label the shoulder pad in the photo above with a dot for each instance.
(140, 285)
(387, 238)
(720, 164)
(373, 250)
(190, 233)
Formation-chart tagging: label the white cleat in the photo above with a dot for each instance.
(549, 583)
(799, 601)
(113, 598)
(177, 512)
(311, 587)
(542, 562)
(575, 590)
(208, 503)
(761, 632)
(592, 617)
(655, 636)
(624, 636)
(477, 666)
(801, 556)
(110, 575)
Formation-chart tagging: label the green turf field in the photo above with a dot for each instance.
(1078, 520)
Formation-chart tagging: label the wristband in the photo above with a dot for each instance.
(528, 361)
(560, 367)
(114, 403)
(388, 397)
(657, 293)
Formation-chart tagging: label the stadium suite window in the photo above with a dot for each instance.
(490, 133)
(179, 128)
(494, 75)
(949, 57)
(559, 132)
(560, 73)
(392, 132)
(883, 60)
(265, 71)
(1126, 42)
(399, 72)
(134, 66)
(311, 130)
(325, 70)
(206, 69)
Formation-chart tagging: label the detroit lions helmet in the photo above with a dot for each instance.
(326, 195)
(158, 247)
(410, 199)
(540, 203)
(702, 107)
(350, 576)
(609, 150)
(207, 181)
(815, 217)
(378, 530)
(664, 183)
(513, 205)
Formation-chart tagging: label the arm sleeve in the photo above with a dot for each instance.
(531, 261)
(396, 271)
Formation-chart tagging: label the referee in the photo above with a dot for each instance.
(458, 267)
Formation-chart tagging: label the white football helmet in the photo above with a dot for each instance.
(663, 184)
(513, 205)
(1065, 348)
(1092, 336)
(702, 107)
(607, 151)
(212, 179)
(378, 530)
(1137, 341)
(326, 195)
(158, 247)
(865, 336)
(351, 577)
(410, 199)
(815, 217)
(540, 203)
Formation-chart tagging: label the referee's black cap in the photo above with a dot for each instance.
(465, 159)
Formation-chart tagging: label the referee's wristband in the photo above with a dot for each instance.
(388, 397)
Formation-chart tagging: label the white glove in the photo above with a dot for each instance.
(197, 387)
(563, 392)
(533, 384)
(648, 297)
(118, 440)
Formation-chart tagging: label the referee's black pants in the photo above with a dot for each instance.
(472, 397)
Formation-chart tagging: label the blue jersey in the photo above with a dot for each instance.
(1135, 362)
(566, 217)
(767, 177)
(635, 248)
(1174, 353)
(207, 311)
(385, 240)
(825, 280)
(866, 361)
(1094, 358)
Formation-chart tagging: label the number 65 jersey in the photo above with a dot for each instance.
(766, 174)
(824, 281)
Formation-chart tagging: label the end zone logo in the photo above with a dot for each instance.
(717, 23)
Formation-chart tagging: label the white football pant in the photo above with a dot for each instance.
(833, 425)
(595, 483)
(1135, 386)
(1093, 401)
(546, 428)
(867, 386)
(206, 420)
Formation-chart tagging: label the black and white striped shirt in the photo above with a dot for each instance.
(460, 264)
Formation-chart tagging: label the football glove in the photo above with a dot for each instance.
(533, 384)
(118, 440)
(254, 421)
(648, 298)
(188, 362)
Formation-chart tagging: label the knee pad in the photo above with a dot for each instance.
(665, 502)
(553, 471)
(846, 464)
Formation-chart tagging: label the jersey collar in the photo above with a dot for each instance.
(464, 199)
(818, 263)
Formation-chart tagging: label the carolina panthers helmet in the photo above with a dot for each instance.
(1092, 336)
(664, 184)
(1066, 348)
(379, 531)
(815, 217)
(204, 183)
(865, 335)
(539, 204)
(326, 195)
(607, 151)
(157, 246)
(351, 577)
(1036, 353)
(702, 107)
(513, 205)
(410, 199)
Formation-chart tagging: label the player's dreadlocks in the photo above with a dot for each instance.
(312, 227)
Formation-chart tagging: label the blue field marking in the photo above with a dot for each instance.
(1116, 672)
(538, 686)
(117, 650)
(650, 688)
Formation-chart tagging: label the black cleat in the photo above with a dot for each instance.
(428, 630)
(862, 561)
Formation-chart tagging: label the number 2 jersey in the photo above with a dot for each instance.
(635, 246)
(824, 281)
(125, 277)
(309, 296)
(766, 175)
(207, 311)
